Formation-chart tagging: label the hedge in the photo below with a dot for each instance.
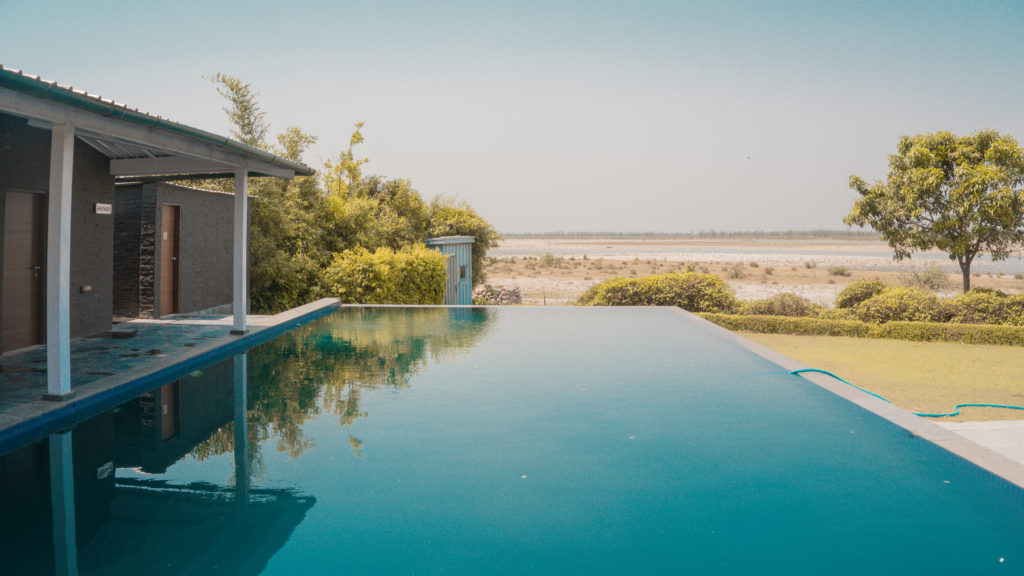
(689, 290)
(915, 331)
(412, 275)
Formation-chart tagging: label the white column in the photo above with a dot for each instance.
(241, 366)
(62, 501)
(58, 264)
(240, 302)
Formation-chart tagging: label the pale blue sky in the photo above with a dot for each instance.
(579, 116)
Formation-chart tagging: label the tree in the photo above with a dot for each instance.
(961, 195)
(448, 217)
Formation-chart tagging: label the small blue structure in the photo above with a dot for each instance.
(458, 288)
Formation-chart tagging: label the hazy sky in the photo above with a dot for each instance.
(577, 116)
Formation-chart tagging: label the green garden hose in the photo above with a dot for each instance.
(955, 412)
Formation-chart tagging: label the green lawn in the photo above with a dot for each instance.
(917, 376)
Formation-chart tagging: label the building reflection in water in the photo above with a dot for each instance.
(92, 500)
(66, 511)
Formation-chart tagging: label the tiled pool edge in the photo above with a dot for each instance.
(101, 394)
(989, 460)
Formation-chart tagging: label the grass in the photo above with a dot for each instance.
(917, 376)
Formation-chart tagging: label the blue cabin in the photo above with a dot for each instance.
(458, 288)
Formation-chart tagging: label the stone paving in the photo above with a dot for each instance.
(131, 352)
(1003, 436)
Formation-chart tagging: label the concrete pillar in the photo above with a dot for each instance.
(240, 302)
(58, 264)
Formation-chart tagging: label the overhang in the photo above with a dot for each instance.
(139, 145)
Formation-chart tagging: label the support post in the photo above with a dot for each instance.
(62, 501)
(241, 374)
(240, 302)
(58, 264)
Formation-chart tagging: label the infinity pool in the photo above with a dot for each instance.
(499, 441)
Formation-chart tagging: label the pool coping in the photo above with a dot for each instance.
(42, 417)
(986, 458)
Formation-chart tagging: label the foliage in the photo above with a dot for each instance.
(689, 290)
(298, 226)
(1015, 309)
(447, 216)
(859, 291)
(791, 325)
(962, 195)
(979, 306)
(782, 304)
(839, 271)
(411, 275)
(900, 303)
(914, 331)
(931, 278)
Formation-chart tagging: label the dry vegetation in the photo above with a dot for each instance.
(561, 280)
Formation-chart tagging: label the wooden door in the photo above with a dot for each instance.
(170, 241)
(24, 256)
(169, 411)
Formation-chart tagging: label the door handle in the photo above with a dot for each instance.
(36, 268)
(174, 258)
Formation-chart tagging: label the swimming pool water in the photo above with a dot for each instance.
(502, 441)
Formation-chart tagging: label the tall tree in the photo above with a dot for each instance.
(447, 216)
(961, 195)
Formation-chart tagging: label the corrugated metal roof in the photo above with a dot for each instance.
(115, 148)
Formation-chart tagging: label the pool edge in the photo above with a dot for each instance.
(985, 458)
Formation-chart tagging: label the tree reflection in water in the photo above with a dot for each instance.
(324, 367)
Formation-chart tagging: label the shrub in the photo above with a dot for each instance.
(689, 290)
(979, 306)
(736, 271)
(901, 303)
(931, 278)
(810, 264)
(836, 314)
(549, 259)
(790, 325)
(858, 292)
(839, 271)
(1015, 310)
(915, 331)
(412, 275)
(783, 304)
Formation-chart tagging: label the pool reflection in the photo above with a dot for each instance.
(93, 500)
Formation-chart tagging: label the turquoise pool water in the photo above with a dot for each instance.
(500, 441)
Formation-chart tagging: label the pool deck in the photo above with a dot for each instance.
(995, 446)
(132, 358)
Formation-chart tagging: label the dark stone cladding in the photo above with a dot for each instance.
(25, 165)
(205, 253)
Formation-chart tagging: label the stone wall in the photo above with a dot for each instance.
(25, 164)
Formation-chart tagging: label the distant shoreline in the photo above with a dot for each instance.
(868, 235)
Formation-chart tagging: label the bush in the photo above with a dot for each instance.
(836, 314)
(1015, 310)
(915, 331)
(900, 303)
(412, 275)
(930, 278)
(858, 292)
(689, 290)
(979, 306)
(791, 325)
(783, 304)
(839, 271)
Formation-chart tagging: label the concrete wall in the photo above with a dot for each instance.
(25, 164)
(205, 253)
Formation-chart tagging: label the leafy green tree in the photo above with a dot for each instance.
(962, 195)
(447, 216)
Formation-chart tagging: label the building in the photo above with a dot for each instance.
(62, 154)
(458, 286)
